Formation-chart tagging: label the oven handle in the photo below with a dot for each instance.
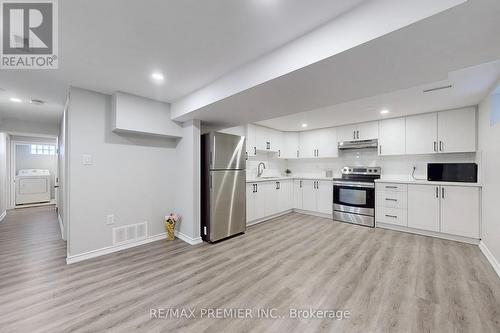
(354, 184)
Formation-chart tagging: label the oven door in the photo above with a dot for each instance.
(353, 198)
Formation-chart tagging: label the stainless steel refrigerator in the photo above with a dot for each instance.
(223, 186)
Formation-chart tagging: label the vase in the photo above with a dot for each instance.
(170, 230)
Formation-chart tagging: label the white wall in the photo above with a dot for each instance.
(131, 176)
(489, 155)
(29, 127)
(25, 160)
(187, 184)
(3, 173)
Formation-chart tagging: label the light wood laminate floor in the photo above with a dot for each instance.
(389, 281)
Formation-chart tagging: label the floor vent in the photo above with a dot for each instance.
(130, 233)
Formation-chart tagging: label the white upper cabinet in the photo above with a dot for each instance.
(268, 139)
(362, 131)
(392, 140)
(290, 145)
(421, 134)
(460, 211)
(251, 140)
(307, 144)
(326, 142)
(318, 143)
(457, 130)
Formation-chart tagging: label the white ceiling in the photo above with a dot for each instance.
(470, 85)
(423, 53)
(115, 45)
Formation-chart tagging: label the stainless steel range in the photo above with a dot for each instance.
(354, 195)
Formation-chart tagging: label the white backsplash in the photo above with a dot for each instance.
(393, 167)
(270, 160)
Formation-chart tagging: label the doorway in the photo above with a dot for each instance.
(33, 172)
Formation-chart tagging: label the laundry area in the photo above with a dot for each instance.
(34, 164)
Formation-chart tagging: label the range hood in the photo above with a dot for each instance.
(360, 144)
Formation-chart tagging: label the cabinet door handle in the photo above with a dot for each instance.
(246, 156)
(391, 216)
(357, 134)
(317, 152)
(256, 188)
(437, 192)
(380, 149)
(435, 146)
(440, 145)
(442, 192)
(254, 151)
(300, 184)
(279, 153)
(297, 154)
(268, 145)
(389, 199)
(391, 187)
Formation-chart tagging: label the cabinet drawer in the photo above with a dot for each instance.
(392, 216)
(392, 199)
(392, 187)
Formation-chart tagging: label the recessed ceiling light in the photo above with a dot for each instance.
(15, 100)
(158, 77)
(385, 111)
(304, 125)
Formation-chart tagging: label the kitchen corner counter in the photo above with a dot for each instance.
(426, 182)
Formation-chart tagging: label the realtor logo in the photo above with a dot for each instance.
(29, 34)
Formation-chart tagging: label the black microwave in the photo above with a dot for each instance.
(452, 172)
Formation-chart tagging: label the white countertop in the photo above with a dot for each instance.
(426, 182)
(274, 179)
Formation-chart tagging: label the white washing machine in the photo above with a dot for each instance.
(32, 186)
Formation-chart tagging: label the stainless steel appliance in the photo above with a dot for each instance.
(223, 177)
(452, 172)
(360, 144)
(354, 195)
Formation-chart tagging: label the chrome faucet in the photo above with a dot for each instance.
(259, 171)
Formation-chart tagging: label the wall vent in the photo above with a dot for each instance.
(130, 233)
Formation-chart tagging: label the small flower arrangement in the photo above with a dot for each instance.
(170, 221)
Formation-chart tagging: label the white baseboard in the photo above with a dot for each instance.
(487, 253)
(428, 233)
(267, 218)
(111, 249)
(2, 216)
(308, 212)
(61, 225)
(188, 239)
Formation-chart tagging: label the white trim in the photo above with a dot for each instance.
(61, 225)
(267, 218)
(52, 202)
(308, 212)
(2, 216)
(112, 249)
(491, 258)
(428, 233)
(188, 239)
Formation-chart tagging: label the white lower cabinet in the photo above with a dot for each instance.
(423, 207)
(297, 194)
(268, 198)
(451, 210)
(324, 196)
(317, 196)
(460, 211)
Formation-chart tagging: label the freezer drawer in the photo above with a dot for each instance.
(227, 203)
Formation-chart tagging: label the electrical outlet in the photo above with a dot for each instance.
(87, 159)
(110, 219)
